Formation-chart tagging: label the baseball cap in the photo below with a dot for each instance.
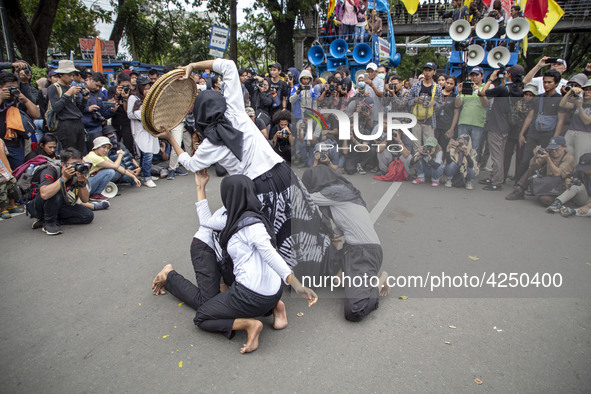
(431, 141)
(371, 66)
(477, 70)
(143, 81)
(430, 65)
(134, 72)
(516, 70)
(579, 79)
(109, 129)
(532, 88)
(276, 65)
(51, 72)
(556, 142)
(584, 162)
(250, 111)
(561, 61)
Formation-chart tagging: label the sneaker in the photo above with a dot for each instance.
(180, 172)
(17, 209)
(163, 173)
(170, 175)
(37, 224)
(51, 229)
(493, 188)
(360, 169)
(5, 215)
(566, 212)
(469, 185)
(98, 197)
(486, 181)
(435, 184)
(554, 207)
(99, 206)
(448, 183)
(516, 194)
(149, 183)
(418, 181)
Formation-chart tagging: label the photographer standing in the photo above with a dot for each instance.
(423, 97)
(59, 189)
(261, 98)
(578, 136)
(68, 105)
(120, 121)
(303, 96)
(96, 112)
(282, 138)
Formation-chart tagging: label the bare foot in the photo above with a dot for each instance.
(279, 316)
(253, 330)
(383, 284)
(224, 287)
(160, 280)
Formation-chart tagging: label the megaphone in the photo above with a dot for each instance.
(362, 53)
(110, 190)
(487, 28)
(316, 55)
(475, 55)
(332, 64)
(459, 30)
(338, 48)
(396, 61)
(498, 55)
(517, 29)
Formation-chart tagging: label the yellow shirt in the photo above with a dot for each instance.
(95, 160)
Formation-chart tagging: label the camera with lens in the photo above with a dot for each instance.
(424, 100)
(332, 88)
(14, 92)
(82, 168)
(468, 87)
(305, 87)
(97, 117)
(501, 72)
(84, 90)
(284, 134)
(125, 89)
(460, 144)
(576, 182)
(568, 88)
(391, 86)
(426, 149)
(541, 151)
(260, 85)
(323, 156)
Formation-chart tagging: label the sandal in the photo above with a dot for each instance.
(17, 209)
(5, 215)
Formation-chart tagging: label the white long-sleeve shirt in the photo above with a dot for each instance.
(144, 140)
(205, 230)
(257, 155)
(257, 264)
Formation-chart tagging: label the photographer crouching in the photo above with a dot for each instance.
(97, 109)
(57, 191)
(282, 138)
(578, 191)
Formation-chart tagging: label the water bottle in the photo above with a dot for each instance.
(30, 170)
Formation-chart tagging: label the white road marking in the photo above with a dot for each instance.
(381, 205)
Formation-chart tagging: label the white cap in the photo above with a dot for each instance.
(373, 66)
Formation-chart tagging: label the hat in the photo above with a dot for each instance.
(131, 72)
(532, 88)
(305, 74)
(276, 65)
(430, 65)
(143, 81)
(100, 141)
(66, 67)
(371, 66)
(587, 84)
(584, 162)
(561, 61)
(580, 79)
(516, 70)
(250, 111)
(51, 72)
(108, 129)
(556, 142)
(477, 70)
(431, 141)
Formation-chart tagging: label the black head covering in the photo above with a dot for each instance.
(323, 180)
(244, 208)
(210, 120)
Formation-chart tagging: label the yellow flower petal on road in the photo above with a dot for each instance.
(165, 336)
(300, 314)
(477, 381)
(474, 258)
(180, 364)
(403, 298)
(181, 303)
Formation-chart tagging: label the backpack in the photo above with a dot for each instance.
(29, 183)
(51, 119)
(396, 172)
(422, 112)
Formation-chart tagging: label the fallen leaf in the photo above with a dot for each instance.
(588, 263)
(447, 343)
(452, 327)
(181, 303)
(174, 326)
(181, 193)
(474, 258)
(299, 314)
(139, 303)
(403, 298)
(124, 253)
(393, 231)
(477, 381)
(180, 364)
(165, 336)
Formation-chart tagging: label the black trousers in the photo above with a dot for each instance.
(124, 134)
(207, 274)
(533, 139)
(358, 261)
(55, 209)
(71, 133)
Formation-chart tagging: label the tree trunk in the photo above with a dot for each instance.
(23, 35)
(119, 25)
(233, 31)
(284, 42)
(42, 25)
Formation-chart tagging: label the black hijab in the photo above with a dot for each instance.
(331, 185)
(244, 208)
(212, 123)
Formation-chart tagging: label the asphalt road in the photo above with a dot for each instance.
(78, 314)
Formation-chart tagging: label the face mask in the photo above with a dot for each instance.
(361, 84)
(382, 76)
(202, 87)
